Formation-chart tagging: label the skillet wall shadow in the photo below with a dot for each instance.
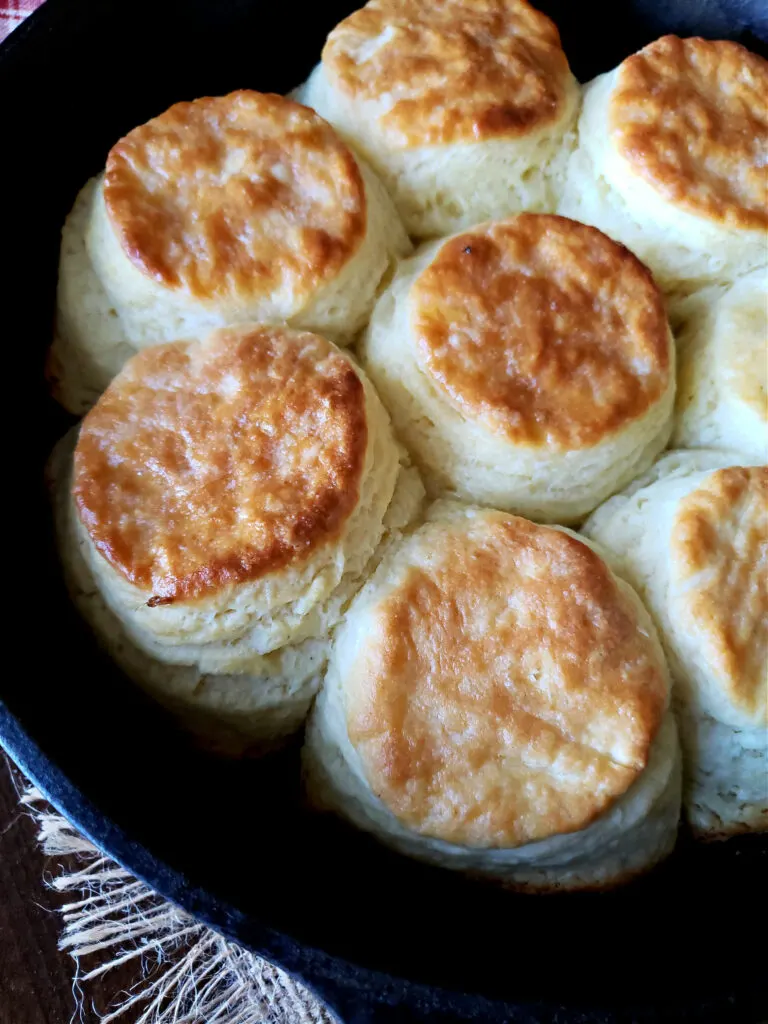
(230, 841)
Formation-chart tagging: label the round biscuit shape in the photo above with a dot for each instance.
(206, 465)
(237, 198)
(232, 491)
(468, 699)
(463, 722)
(689, 117)
(527, 364)
(672, 160)
(543, 330)
(452, 72)
(460, 107)
(224, 210)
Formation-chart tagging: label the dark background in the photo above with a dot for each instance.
(35, 977)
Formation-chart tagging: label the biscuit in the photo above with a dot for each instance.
(231, 209)
(460, 107)
(497, 701)
(227, 498)
(672, 160)
(527, 364)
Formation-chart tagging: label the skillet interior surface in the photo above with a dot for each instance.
(230, 842)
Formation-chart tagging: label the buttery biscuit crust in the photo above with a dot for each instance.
(456, 71)
(208, 464)
(543, 329)
(505, 691)
(245, 194)
(690, 116)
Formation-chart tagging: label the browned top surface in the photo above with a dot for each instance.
(505, 692)
(720, 566)
(245, 194)
(543, 330)
(691, 116)
(208, 464)
(458, 70)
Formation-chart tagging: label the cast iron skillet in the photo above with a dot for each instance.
(382, 939)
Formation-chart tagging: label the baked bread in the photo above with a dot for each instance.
(226, 498)
(722, 390)
(225, 210)
(497, 701)
(672, 160)
(462, 107)
(692, 538)
(527, 365)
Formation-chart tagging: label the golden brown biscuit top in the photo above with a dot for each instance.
(720, 579)
(504, 692)
(542, 330)
(209, 464)
(454, 71)
(691, 117)
(246, 194)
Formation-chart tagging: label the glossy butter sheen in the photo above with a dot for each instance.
(456, 72)
(691, 118)
(205, 465)
(543, 330)
(242, 194)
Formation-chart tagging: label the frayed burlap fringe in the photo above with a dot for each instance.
(186, 973)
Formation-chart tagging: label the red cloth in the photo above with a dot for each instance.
(13, 12)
